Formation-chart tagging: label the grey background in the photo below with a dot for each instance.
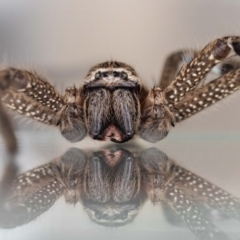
(63, 39)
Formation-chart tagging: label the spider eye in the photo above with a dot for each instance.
(105, 74)
(98, 75)
(115, 74)
(124, 75)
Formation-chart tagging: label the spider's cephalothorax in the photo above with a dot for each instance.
(112, 103)
(112, 109)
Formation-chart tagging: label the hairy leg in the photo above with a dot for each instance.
(70, 118)
(165, 181)
(31, 95)
(172, 65)
(191, 214)
(31, 194)
(181, 95)
(156, 118)
(207, 95)
(31, 85)
(206, 192)
(193, 73)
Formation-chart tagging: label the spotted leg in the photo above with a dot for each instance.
(191, 214)
(206, 192)
(22, 212)
(172, 65)
(31, 95)
(26, 92)
(32, 193)
(207, 95)
(175, 61)
(35, 191)
(159, 181)
(192, 74)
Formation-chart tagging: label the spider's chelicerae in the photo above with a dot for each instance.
(112, 103)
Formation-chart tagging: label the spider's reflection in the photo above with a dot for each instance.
(112, 184)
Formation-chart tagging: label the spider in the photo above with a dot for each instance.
(113, 104)
(112, 184)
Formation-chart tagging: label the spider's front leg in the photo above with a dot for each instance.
(207, 95)
(70, 118)
(156, 118)
(31, 95)
(192, 74)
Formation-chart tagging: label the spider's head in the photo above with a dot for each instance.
(111, 91)
(112, 75)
